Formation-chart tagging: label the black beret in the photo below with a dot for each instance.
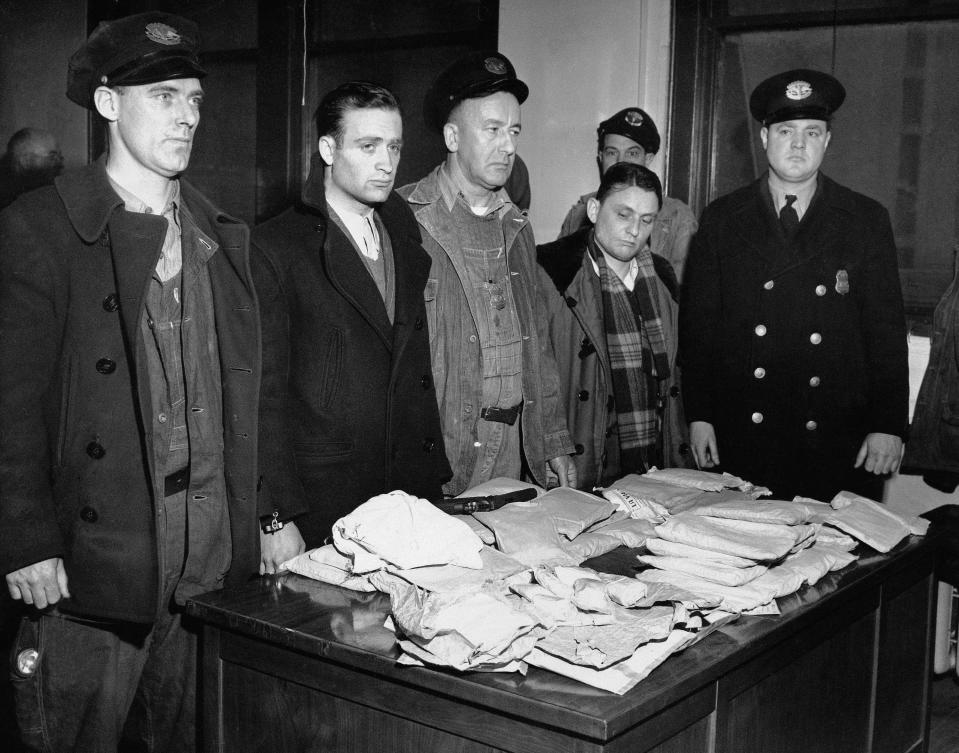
(797, 94)
(475, 75)
(634, 124)
(140, 49)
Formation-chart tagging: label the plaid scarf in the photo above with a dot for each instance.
(637, 356)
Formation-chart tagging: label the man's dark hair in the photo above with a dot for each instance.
(353, 95)
(625, 174)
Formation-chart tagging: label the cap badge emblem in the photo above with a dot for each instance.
(798, 90)
(495, 65)
(634, 118)
(163, 34)
(842, 282)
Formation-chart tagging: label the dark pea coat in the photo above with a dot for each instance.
(348, 405)
(75, 458)
(795, 350)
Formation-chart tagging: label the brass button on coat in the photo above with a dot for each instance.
(95, 450)
(812, 425)
(106, 366)
(88, 514)
(759, 372)
(769, 285)
(757, 417)
(760, 330)
(814, 381)
(111, 303)
(820, 290)
(815, 338)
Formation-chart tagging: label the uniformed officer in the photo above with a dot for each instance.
(792, 332)
(631, 136)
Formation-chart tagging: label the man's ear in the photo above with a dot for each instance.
(327, 147)
(105, 100)
(592, 209)
(648, 159)
(764, 135)
(451, 136)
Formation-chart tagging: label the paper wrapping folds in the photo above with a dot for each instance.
(676, 549)
(756, 541)
(731, 598)
(758, 511)
(401, 530)
(711, 571)
(871, 522)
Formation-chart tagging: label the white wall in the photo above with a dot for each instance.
(583, 61)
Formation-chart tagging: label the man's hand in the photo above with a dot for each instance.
(880, 453)
(279, 546)
(565, 470)
(702, 439)
(41, 584)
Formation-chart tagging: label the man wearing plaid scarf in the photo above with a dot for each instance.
(613, 332)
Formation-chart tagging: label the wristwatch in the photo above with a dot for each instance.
(274, 524)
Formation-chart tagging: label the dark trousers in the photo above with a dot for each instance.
(103, 686)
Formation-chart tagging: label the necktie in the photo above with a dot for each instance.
(371, 241)
(788, 215)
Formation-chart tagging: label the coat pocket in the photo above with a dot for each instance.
(67, 397)
(332, 367)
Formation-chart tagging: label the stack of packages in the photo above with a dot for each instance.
(498, 590)
(459, 602)
(715, 539)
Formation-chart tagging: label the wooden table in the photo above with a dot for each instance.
(294, 665)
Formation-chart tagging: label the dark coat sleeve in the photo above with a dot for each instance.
(280, 489)
(32, 296)
(700, 319)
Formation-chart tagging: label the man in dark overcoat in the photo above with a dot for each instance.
(128, 405)
(349, 408)
(793, 338)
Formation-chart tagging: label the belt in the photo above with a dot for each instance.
(501, 415)
(176, 482)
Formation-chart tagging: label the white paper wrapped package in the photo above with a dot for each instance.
(711, 571)
(758, 511)
(464, 630)
(762, 542)
(404, 531)
(661, 495)
(676, 549)
(731, 598)
(872, 523)
(538, 532)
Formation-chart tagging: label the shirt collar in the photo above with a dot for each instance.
(451, 193)
(133, 203)
(804, 196)
(631, 274)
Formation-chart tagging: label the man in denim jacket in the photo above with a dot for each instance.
(493, 366)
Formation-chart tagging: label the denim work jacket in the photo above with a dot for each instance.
(455, 346)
